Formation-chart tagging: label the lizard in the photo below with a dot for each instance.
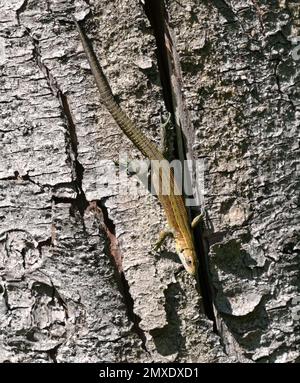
(173, 202)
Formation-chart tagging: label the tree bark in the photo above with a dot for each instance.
(79, 279)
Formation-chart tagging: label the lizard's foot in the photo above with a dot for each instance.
(163, 235)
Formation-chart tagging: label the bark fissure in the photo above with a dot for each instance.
(114, 254)
(5, 297)
(167, 64)
(53, 353)
(18, 177)
(81, 201)
(20, 10)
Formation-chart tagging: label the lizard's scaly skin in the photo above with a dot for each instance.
(173, 203)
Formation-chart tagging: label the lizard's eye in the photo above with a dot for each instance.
(189, 262)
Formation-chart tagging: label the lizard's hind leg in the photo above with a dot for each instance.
(195, 222)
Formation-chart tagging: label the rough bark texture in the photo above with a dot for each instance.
(244, 107)
(79, 282)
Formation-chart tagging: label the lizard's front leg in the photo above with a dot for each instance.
(163, 235)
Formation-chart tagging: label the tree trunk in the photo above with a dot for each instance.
(79, 279)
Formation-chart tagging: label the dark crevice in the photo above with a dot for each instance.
(81, 200)
(18, 177)
(53, 353)
(156, 13)
(15, 177)
(23, 254)
(5, 297)
(158, 17)
(27, 177)
(21, 10)
(11, 178)
(116, 260)
(71, 126)
(43, 67)
(47, 242)
(134, 318)
(79, 203)
(110, 230)
(166, 56)
(169, 339)
(204, 284)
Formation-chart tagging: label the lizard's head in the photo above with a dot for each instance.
(188, 258)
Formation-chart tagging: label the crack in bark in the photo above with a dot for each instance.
(81, 201)
(20, 10)
(169, 339)
(43, 67)
(168, 64)
(5, 297)
(116, 260)
(18, 177)
(47, 242)
(52, 353)
(156, 13)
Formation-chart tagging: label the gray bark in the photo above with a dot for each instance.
(79, 282)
